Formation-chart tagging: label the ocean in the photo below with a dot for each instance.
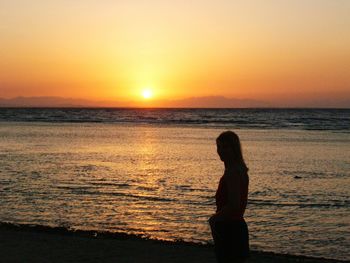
(154, 172)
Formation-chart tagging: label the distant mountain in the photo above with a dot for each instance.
(56, 102)
(217, 102)
(197, 102)
(321, 103)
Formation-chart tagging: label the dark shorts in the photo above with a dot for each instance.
(231, 240)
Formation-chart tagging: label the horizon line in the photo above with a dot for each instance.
(175, 108)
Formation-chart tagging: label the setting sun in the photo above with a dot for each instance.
(147, 94)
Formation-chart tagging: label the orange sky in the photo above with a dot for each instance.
(265, 50)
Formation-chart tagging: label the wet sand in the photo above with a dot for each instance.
(23, 243)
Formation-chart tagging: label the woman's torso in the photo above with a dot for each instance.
(222, 198)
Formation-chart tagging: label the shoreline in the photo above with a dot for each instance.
(35, 243)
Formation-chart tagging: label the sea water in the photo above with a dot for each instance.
(155, 173)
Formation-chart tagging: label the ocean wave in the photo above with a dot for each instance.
(331, 204)
(304, 119)
(79, 190)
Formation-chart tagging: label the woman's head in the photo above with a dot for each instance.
(229, 148)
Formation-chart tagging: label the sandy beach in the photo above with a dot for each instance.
(23, 243)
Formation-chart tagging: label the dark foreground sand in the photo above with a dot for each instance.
(43, 244)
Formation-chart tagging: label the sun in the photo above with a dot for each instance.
(147, 93)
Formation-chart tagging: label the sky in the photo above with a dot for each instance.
(278, 51)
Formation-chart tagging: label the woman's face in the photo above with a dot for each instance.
(224, 151)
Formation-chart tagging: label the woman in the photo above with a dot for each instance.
(229, 229)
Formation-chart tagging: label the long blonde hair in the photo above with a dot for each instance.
(231, 139)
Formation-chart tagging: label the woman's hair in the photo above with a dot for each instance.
(232, 140)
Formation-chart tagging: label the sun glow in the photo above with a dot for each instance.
(147, 93)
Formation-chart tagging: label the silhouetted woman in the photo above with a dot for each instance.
(228, 227)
